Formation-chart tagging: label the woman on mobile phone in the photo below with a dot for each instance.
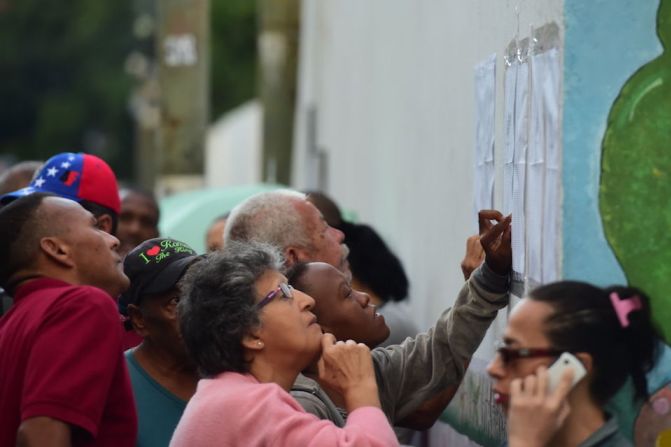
(608, 330)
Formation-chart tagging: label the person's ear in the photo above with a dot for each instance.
(105, 223)
(586, 360)
(57, 250)
(252, 341)
(293, 255)
(171, 308)
(137, 320)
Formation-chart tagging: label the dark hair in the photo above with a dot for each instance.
(218, 308)
(295, 275)
(326, 206)
(20, 230)
(99, 210)
(373, 263)
(133, 189)
(584, 320)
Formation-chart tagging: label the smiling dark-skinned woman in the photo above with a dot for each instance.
(251, 334)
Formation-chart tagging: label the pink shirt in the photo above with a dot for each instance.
(236, 410)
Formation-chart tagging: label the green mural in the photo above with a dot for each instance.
(635, 190)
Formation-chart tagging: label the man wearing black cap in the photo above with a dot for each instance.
(162, 375)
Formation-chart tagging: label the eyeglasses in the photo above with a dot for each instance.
(285, 289)
(508, 355)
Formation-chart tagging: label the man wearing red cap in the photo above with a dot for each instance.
(86, 179)
(63, 378)
(81, 177)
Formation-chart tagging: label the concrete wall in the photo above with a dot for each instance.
(391, 82)
(233, 147)
(385, 124)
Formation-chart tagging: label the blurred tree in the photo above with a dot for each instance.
(63, 85)
(62, 81)
(233, 54)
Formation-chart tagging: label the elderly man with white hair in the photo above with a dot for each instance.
(287, 220)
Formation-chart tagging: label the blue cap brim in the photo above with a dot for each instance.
(11, 196)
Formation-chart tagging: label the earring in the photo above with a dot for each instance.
(259, 343)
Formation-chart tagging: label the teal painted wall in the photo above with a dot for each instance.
(606, 41)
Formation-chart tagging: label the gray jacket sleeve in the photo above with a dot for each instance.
(314, 400)
(312, 404)
(414, 371)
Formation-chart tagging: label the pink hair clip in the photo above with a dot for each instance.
(623, 307)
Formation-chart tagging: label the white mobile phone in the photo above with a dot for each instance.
(566, 360)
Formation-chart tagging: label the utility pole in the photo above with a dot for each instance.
(183, 57)
(147, 122)
(145, 98)
(278, 61)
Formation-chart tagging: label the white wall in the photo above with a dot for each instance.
(233, 147)
(391, 82)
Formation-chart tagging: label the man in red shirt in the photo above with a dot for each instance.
(89, 181)
(63, 379)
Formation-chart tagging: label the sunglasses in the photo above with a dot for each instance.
(509, 355)
(284, 289)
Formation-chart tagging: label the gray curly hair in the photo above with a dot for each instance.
(218, 304)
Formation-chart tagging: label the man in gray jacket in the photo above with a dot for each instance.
(417, 378)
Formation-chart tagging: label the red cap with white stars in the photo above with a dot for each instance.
(74, 176)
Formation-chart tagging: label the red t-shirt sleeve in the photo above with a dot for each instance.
(73, 360)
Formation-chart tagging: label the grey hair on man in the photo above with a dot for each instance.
(270, 217)
(287, 220)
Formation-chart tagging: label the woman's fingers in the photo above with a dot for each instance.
(485, 218)
(328, 340)
(543, 378)
(474, 256)
(535, 413)
(516, 387)
(493, 233)
(529, 386)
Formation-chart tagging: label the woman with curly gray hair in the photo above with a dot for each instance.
(251, 334)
